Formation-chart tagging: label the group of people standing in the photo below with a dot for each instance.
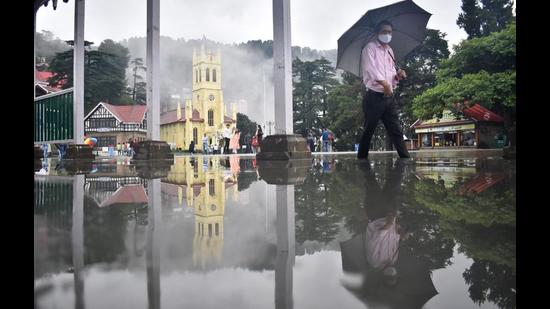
(230, 143)
(323, 142)
(125, 149)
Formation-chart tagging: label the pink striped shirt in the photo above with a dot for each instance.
(377, 64)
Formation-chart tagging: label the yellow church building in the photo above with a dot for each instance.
(204, 113)
(202, 185)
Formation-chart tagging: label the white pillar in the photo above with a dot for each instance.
(282, 67)
(78, 239)
(153, 68)
(78, 74)
(285, 246)
(34, 58)
(153, 242)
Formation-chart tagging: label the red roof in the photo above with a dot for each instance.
(195, 116)
(480, 113)
(196, 189)
(172, 189)
(172, 116)
(128, 194)
(43, 76)
(127, 113)
(481, 183)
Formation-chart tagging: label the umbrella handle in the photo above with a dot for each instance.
(397, 68)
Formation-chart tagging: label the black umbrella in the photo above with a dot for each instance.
(409, 30)
(413, 288)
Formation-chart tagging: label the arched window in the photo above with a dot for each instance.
(195, 135)
(211, 118)
(207, 74)
(196, 76)
(213, 75)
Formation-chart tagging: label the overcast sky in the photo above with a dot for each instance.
(315, 23)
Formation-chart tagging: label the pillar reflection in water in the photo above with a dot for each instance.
(285, 246)
(153, 238)
(77, 235)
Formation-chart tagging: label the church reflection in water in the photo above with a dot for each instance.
(214, 217)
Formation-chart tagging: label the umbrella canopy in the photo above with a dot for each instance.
(90, 141)
(414, 286)
(409, 30)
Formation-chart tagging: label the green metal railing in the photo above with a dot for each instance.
(53, 117)
(53, 199)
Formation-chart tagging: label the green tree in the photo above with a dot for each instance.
(246, 126)
(139, 91)
(490, 281)
(421, 66)
(497, 14)
(484, 227)
(104, 73)
(325, 82)
(480, 18)
(482, 70)
(345, 113)
(316, 217)
(313, 81)
(470, 18)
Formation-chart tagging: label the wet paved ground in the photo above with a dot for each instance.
(437, 231)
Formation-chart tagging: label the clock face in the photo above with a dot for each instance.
(211, 97)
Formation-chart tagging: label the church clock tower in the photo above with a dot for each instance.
(207, 91)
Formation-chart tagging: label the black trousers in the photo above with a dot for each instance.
(226, 145)
(377, 107)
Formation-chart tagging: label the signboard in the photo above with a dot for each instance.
(470, 126)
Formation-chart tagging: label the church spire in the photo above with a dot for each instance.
(203, 45)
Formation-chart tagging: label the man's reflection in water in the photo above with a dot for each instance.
(390, 275)
(383, 233)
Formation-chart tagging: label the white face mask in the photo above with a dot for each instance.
(384, 38)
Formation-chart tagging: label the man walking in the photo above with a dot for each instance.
(380, 78)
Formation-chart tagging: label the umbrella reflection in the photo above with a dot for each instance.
(390, 274)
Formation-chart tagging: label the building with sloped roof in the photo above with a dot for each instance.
(113, 124)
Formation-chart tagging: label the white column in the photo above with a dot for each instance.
(285, 246)
(153, 243)
(78, 75)
(153, 68)
(78, 239)
(282, 67)
(34, 58)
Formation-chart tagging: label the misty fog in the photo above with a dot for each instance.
(245, 67)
